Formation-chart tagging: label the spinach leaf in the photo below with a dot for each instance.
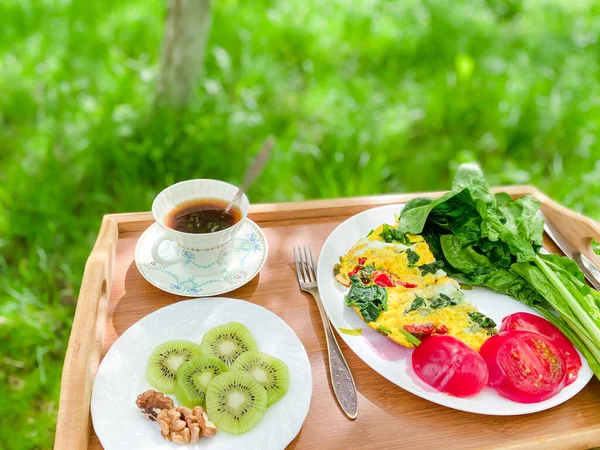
(370, 299)
(471, 215)
(581, 293)
(522, 217)
(416, 304)
(493, 229)
(507, 282)
(433, 240)
(412, 256)
(469, 176)
(454, 212)
(469, 186)
(414, 215)
(390, 234)
(497, 252)
(494, 241)
(539, 282)
(570, 270)
(442, 301)
(416, 202)
(482, 320)
(562, 263)
(464, 259)
(370, 233)
(476, 268)
(506, 212)
(432, 267)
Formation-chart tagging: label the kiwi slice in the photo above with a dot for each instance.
(193, 378)
(235, 402)
(164, 361)
(268, 371)
(228, 341)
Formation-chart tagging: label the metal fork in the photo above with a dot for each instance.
(339, 372)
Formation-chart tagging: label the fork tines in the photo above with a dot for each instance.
(305, 267)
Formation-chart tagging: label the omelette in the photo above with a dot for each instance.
(399, 289)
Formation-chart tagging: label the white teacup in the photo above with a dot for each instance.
(199, 254)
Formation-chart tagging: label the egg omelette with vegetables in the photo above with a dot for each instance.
(399, 289)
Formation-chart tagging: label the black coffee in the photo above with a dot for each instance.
(202, 216)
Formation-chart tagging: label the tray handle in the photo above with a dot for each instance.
(577, 228)
(85, 343)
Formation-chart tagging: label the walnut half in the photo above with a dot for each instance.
(185, 426)
(207, 428)
(152, 403)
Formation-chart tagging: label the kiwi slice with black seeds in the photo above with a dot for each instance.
(228, 341)
(268, 371)
(235, 402)
(193, 378)
(164, 361)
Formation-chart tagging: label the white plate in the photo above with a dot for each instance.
(249, 256)
(121, 376)
(394, 361)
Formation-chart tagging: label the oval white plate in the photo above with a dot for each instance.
(394, 361)
(121, 376)
(249, 256)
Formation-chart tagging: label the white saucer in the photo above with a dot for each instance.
(249, 256)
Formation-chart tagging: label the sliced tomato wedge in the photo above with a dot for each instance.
(523, 321)
(524, 367)
(450, 366)
(362, 261)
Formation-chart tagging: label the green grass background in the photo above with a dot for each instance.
(364, 97)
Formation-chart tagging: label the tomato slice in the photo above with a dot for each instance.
(524, 367)
(530, 322)
(450, 366)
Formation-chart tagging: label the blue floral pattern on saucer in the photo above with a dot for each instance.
(249, 256)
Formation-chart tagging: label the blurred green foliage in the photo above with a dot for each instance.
(364, 97)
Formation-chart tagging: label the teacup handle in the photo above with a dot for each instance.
(159, 259)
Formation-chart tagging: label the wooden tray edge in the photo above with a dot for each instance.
(85, 342)
(582, 438)
(84, 349)
(348, 206)
(578, 229)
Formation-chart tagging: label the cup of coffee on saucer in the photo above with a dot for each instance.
(191, 215)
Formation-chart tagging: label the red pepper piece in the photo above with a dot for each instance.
(424, 329)
(383, 280)
(362, 261)
(406, 285)
(354, 271)
(442, 329)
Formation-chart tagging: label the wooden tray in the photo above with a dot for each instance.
(114, 296)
